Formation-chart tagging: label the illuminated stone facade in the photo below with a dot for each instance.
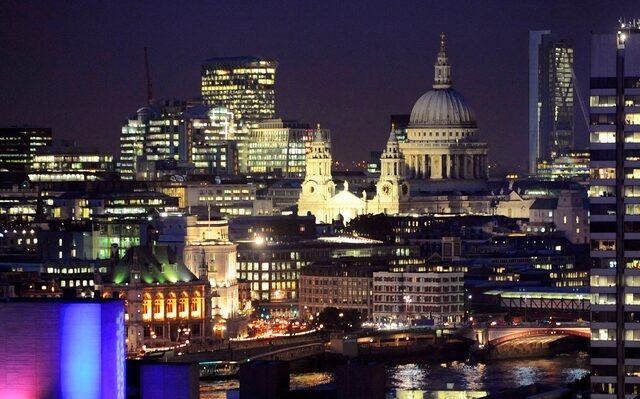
(439, 167)
(165, 304)
(208, 250)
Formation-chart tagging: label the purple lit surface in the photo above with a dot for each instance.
(62, 350)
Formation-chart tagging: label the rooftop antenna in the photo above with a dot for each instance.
(146, 68)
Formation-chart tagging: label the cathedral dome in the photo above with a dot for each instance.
(442, 107)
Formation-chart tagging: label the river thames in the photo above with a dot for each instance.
(494, 376)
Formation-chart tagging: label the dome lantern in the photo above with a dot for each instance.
(442, 78)
(442, 106)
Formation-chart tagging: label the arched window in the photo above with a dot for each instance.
(158, 307)
(172, 305)
(196, 305)
(183, 306)
(146, 307)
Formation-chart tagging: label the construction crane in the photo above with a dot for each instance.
(146, 68)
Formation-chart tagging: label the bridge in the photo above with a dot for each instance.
(230, 368)
(525, 339)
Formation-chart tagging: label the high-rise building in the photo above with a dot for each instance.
(18, 145)
(550, 97)
(615, 213)
(215, 141)
(173, 138)
(245, 85)
(279, 147)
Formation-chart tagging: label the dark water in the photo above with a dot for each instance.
(493, 376)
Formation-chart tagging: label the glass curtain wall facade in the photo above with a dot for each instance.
(615, 215)
(279, 147)
(551, 89)
(245, 85)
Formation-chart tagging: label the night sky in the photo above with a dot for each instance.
(78, 66)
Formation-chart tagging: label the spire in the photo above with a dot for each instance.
(317, 136)
(442, 78)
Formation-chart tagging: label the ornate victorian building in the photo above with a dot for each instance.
(439, 167)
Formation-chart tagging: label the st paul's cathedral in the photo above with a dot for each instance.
(440, 167)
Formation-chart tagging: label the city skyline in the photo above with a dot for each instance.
(79, 67)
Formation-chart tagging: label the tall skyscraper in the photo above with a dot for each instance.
(245, 85)
(615, 213)
(19, 145)
(550, 97)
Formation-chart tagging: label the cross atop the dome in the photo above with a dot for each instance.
(442, 41)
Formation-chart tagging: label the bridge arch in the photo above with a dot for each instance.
(537, 332)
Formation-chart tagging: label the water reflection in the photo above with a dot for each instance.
(408, 376)
(306, 380)
(473, 375)
(526, 375)
(492, 377)
(211, 389)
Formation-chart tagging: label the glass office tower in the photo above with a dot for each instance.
(550, 97)
(245, 85)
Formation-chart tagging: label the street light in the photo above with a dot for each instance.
(407, 301)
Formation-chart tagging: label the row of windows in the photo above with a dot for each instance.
(417, 309)
(610, 101)
(269, 276)
(412, 279)
(266, 286)
(395, 288)
(418, 299)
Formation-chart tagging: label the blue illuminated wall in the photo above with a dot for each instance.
(62, 349)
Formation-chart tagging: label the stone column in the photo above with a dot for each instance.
(434, 167)
(476, 168)
(445, 166)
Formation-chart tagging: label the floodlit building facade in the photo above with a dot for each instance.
(165, 304)
(400, 297)
(440, 167)
(245, 85)
(208, 250)
(341, 285)
(615, 213)
(551, 89)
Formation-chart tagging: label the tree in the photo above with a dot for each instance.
(337, 319)
(377, 227)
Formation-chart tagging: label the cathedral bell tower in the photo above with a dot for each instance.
(392, 185)
(318, 181)
(318, 186)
